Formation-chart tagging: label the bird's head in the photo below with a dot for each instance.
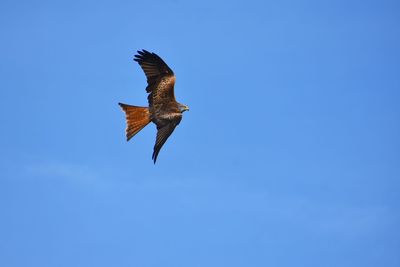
(183, 108)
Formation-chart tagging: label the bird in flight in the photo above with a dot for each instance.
(164, 111)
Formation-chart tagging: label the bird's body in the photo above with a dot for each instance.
(163, 110)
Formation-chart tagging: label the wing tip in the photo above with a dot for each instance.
(143, 52)
(154, 157)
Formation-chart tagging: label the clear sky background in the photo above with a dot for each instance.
(289, 155)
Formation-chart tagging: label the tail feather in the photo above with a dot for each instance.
(136, 119)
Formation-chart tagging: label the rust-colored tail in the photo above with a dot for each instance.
(136, 119)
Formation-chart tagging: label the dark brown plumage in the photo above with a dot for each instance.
(163, 109)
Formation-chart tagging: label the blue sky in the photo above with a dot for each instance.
(289, 155)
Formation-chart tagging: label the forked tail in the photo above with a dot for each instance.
(136, 119)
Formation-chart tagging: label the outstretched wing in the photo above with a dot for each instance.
(161, 81)
(154, 68)
(162, 135)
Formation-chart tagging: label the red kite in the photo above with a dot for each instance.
(163, 110)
